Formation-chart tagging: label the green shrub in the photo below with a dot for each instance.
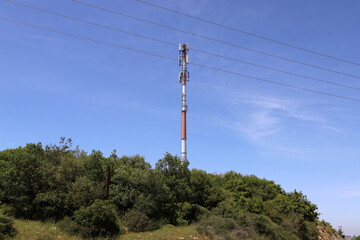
(69, 226)
(139, 222)
(6, 228)
(50, 205)
(263, 225)
(99, 219)
(216, 226)
(188, 213)
(8, 210)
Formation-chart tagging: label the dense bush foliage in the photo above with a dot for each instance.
(99, 219)
(58, 182)
(139, 222)
(6, 228)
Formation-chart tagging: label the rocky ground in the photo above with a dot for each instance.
(328, 233)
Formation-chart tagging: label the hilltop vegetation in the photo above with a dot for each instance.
(67, 185)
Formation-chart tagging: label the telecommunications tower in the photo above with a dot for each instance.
(183, 78)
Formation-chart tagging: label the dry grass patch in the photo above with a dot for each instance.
(167, 232)
(36, 230)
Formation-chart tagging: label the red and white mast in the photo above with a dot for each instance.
(184, 77)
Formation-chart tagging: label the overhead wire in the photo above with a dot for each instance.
(277, 70)
(175, 59)
(215, 40)
(174, 44)
(89, 22)
(247, 33)
(88, 39)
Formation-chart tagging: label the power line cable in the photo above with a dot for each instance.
(277, 70)
(248, 33)
(175, 59)
(174, 44)
(273, 82)
(88, 39)
(215, 40)
(89, 22)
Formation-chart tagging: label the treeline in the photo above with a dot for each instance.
(66, 184)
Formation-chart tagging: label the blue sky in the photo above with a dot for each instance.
(106, 98)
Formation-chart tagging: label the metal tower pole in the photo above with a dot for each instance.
(184, 77)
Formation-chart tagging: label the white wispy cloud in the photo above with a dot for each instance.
(259, 118)
(334, 129)
(258, 125)
(267, 116)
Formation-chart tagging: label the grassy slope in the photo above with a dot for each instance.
(35, 230)
(165, 233)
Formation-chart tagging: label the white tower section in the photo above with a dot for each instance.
(184, 77)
